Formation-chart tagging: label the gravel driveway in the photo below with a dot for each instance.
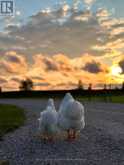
(100, 143)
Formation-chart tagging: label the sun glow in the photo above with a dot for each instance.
(116, 70)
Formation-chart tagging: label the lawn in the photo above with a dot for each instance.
(11, 117)
(111, 99)
(118, 99)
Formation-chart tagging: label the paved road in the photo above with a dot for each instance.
(109, 116)
(101, 142)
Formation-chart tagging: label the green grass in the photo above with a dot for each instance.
(11, 117)
(111, 99)
(118, 99)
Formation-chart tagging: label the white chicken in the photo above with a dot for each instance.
(71, 116)
(48, 121)
(67, 98)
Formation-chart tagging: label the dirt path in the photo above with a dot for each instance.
(101, 142)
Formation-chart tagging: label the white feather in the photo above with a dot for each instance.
(67, 98)
(71, 114)
(48, 119)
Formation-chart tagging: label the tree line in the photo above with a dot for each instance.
(28, 85)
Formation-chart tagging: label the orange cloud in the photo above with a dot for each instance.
(13, 63)
(53, 72)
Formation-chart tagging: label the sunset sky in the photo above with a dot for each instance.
(56, 43)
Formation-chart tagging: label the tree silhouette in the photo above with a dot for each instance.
(105, 87)
(110, 86)
(26, 85)
(0, 89)
(122, 86)
(80, 85)
(90, 87)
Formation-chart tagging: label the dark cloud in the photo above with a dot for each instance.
(121, 64)
(5, 68)
(13, 58)
(3, 80)
(37, 78)
(41, 84)
(13, 63)
(11, 28)
(93, 67)
(16, 79)
(50, 64)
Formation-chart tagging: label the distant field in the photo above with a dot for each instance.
(11, 117)
(112, 98)
(118, 99)
(115, 95)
